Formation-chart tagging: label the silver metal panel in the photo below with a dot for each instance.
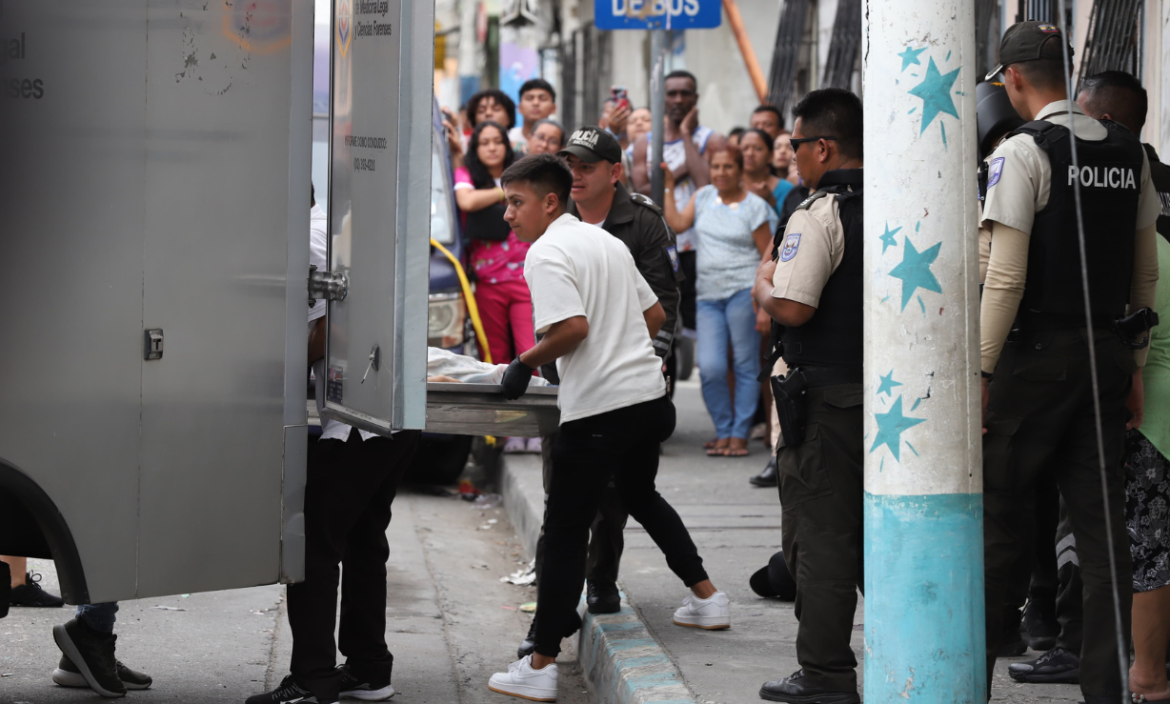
(71, 350)
(292, 547)
(220, 128)
(379, 212)
(480, 409)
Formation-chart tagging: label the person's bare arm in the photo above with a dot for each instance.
(561, 339)
(641, 175)
(679, 221)
(762, 237)
(472, 200)
(317, 340)
(655, 316)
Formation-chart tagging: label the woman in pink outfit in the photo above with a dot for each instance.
(496, 255)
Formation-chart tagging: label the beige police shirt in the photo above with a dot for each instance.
(1019, 181)
(812, 249)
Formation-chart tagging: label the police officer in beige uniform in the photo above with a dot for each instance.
(1037, 381)
(814, 289)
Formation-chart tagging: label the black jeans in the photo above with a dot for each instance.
(1040, 416)
(347, 509)
(622, 445)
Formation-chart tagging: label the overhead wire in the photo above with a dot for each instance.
(1122, 655)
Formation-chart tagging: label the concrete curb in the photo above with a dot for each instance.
(621, 659)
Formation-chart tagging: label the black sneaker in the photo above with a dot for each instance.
(31, 594)
(68, 675)
(768, 477)
(798, 690)
(1039, 627)
(528, 645)
(361, 688)
(603, 597)
(288, 692)
(1056, 666)
(93, 655)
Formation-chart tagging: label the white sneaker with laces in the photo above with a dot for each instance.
(710, 614)
(522, 681)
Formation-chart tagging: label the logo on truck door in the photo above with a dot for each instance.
(344, 26)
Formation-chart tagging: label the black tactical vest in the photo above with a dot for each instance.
(834, 335)
(1110, 174)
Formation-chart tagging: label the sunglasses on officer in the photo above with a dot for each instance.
(797, 142)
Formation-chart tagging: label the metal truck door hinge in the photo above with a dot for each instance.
(327, 285)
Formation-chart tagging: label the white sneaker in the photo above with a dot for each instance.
(711, 614)
(522, 681)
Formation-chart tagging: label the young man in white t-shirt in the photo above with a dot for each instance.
(599, 318)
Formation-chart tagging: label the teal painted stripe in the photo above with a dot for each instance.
(623, 626)
(627, 644)
(641, 662)
(924, 613)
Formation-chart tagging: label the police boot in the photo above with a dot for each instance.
(796, 689)
(768, 477)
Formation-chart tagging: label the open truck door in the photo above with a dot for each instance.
(153, 364)
(381, 156)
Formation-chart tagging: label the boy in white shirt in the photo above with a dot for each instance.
(599, 317)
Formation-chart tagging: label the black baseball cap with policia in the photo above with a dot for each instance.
(591, 144)
(1026, 41)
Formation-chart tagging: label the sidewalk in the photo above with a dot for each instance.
(737, 528)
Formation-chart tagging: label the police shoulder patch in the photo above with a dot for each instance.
(672, 252)
(791, 245)
(994, 171)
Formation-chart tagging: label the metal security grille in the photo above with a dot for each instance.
(1112, 42)
(786, 55)
(1041, 10)
(844, 45)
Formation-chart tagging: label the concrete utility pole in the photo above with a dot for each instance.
(924, 613)
(657, 110)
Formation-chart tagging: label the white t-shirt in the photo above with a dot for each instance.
(318, 243)
(579, 269)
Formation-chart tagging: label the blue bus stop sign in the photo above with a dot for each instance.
(651, 14)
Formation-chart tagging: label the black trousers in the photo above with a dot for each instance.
(687, 261)
(821, 483)
(1040, 416)
(347, 509)
(606, 534)
(622, 445)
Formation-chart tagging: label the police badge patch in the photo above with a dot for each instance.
(673, 254)
(791, 244)
(995, 171)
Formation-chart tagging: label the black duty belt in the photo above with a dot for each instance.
(829, 376)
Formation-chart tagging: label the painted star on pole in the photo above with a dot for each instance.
(887, 384)
(887, 237)
(891, 425)
(935, 91)
(910, 57)
(914, 270)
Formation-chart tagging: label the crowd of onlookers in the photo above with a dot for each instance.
(726, 198)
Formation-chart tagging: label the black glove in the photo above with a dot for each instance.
(516, 379)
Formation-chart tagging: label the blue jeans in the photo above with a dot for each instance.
(731, 319)
(99, 617)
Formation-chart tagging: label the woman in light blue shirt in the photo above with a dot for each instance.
(734, 228)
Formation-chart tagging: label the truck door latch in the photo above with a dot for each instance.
(327, 285)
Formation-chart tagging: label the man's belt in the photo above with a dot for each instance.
(829, 376)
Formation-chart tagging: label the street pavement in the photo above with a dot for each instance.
(451, 623)
(737, 528)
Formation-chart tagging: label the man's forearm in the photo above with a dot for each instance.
(1003, 289)
(561, 339)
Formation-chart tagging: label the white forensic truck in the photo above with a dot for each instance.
(156, 178)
